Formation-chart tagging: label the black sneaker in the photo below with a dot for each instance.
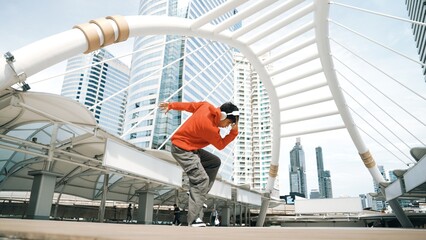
(198, 223)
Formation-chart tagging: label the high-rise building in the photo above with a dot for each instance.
(392, 176)
(417, 12)
(315, 194)
(364, 201)
(297, 173)
(378, 204)
(157, 74)
(320, 171)
(253, 150)
(327, 183)
(92, 85)
(324, 178)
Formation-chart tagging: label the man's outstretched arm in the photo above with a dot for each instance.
(181, 106)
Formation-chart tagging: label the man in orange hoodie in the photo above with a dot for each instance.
(200, 130)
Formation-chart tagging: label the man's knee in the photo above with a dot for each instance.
(216, 161)
(198, 177)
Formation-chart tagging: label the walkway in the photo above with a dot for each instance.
(58, 230)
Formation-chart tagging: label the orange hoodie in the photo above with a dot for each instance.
(201, 129)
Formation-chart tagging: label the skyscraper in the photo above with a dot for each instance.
(157, 73)
(253, 150)
(365, 201)
(96, 83)
(328, 186)
(324, 178)
(417, 12)
(298, 170)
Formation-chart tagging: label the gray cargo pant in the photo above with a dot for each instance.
(201, 168)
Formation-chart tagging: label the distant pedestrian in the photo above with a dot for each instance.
(129, 213)
(176, 213)
(214, 217)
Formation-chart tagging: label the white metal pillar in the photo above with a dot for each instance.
(103, 201)
(146, 205)
(41, 198)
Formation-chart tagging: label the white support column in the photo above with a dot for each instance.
(234, 214)
(146, 205)
(246, 216)
(55, 214)
(103, 201)
(225, 213)
(52, 148)
(41, 194)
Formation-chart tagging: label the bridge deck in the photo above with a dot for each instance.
(39, 229)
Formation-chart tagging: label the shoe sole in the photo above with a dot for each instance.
(198, 225)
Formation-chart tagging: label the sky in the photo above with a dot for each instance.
(27, 21)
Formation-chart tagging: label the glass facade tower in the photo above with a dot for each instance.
(324, 178)
(94, 84)
(298, 170)
(157, 74)
(417, 12)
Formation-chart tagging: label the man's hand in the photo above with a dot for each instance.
(234, 126)
(164, 106)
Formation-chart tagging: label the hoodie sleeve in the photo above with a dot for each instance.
(214, 138)
(185, 106)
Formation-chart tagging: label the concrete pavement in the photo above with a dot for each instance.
(61, 230)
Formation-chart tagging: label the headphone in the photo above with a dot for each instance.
(223, 115)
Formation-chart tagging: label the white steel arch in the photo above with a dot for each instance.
(98, 33)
